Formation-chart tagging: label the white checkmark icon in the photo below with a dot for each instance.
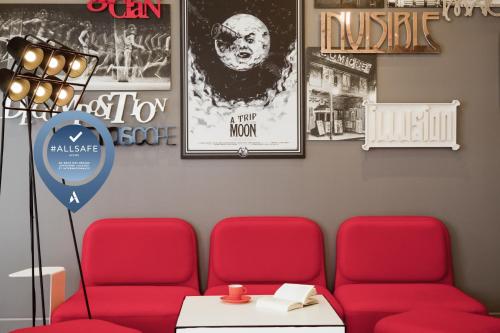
(76, 137)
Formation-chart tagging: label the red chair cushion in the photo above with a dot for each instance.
(404, 249)
(78, 326)
(140, 252)
(365, 304)
(442, 321)
(146, 308)
(266, 250)
(270, 289)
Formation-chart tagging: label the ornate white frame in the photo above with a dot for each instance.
(411, 125)
(468, 6)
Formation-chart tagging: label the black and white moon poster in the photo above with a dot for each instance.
(242, 92)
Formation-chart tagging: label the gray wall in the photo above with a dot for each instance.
(334, 182)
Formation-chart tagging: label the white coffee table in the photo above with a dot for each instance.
(207, 314)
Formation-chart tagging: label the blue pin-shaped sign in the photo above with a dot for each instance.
(73, 153)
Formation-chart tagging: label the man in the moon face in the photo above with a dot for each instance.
(249, 45)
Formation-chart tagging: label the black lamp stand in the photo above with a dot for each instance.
(27, 105)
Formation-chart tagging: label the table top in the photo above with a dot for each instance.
(210, 311)
(45, 271)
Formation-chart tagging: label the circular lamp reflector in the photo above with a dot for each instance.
(16, 88)
(54, 64)
(76, 66)
(25, 53)
(40, 92)
(62, 94)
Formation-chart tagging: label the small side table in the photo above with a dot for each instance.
(57, 286)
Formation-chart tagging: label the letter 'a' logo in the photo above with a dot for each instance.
(74, 198)
(128, 9)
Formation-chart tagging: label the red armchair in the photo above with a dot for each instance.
(390, 265)
(78, 326)
(137, 273)
(265, 252)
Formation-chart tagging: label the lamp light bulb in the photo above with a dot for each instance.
(30, 56)
(63, 94)
(16, 87)
(76, 65)
(53, 63)
(40, 92)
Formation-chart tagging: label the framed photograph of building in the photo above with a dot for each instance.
(242, 79)
(134, 53)
(349, 3)
(337, 86)
(414, 3)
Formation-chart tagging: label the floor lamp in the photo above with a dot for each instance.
(41, 80)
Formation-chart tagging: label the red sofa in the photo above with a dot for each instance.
(438, 320)
(137, 272)
(390, 265)
(264, 252)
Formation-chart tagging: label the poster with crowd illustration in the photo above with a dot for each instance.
(242, 93)
(134, 54)
(337, 86)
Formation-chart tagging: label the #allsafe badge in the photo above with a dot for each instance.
(70, 160)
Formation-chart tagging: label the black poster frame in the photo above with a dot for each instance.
(301, 103)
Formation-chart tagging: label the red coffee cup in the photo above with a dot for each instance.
(236, 291)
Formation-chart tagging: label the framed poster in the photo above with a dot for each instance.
(134, 53)
(337, 85)
(242, 79)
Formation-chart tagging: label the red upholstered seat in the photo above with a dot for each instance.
(147, 308)
(78, 326)
(137, 271)
(265, 252)
(438, 320)
(388, 265)
(366, 304)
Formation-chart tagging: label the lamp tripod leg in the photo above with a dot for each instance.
(77, 253)
(2, 145)
(32, 210)
(32, 234)
(35, 226)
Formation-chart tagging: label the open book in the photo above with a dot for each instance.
(289, 297)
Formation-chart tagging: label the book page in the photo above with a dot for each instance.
(276, 304)
(310, 301)
(295, 292)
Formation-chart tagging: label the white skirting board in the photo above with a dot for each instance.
(411, 125)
